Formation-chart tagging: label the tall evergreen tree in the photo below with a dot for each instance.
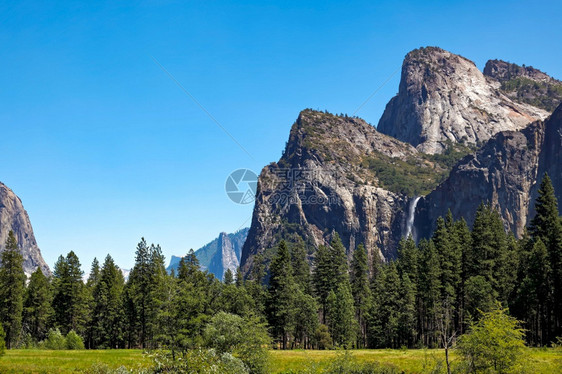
(322, 278)
(535, 293)
(69, 295)
(547, 227)
(386, 308)
(37, 310)
(12, 286)
(341, 316)
(330, 271)
(91, 283)
(301, 269)
(108, 316)
(361, 291)
(282, 292)
(228, 277)
(138, 296)
(430, 289)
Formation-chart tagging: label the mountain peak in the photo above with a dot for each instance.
(443, 98)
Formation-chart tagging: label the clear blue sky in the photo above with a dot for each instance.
(103, 147)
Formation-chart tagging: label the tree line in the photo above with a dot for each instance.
(427, 297)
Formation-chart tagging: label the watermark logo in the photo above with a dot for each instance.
(241, 186)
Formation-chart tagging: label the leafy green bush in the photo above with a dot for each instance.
(198, 361)
(73, 341)
(322, 338)
(54, 340)
(494, 344)
(246, 339)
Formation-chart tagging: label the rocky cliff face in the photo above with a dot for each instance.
(444, 99)
(218, 255)
(338, 174)
(374, 187)
(506, 173)
(14, 217)
(526, 84)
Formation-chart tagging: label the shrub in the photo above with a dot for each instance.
(198, 361)
(494, 344)
(322, 338)
(73, 341)
(54, 340)
(246, 339)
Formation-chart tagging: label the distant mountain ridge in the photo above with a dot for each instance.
(220, 254)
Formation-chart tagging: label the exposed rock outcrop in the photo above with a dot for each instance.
(526, 84)
(338, 174)
(14, 217)
(505, 173)
(444, 99)
(218, 255)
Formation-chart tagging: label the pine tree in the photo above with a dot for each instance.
(282, 291)
(338, 256)
(341, 316)
(409, 259)
(407, 312)
(108, 316)
(322, 278)
(255, 285)
(361, 291)
(192, 301)
(137, 296)
(166, 317)
(547, 227)
(430, 289)
(387, 307)
(37, 310)
(306, 318)
(12, 286)
(301, 269)
(464, 237)
(489, 249)
(330, 271)
(91, 283)
(228, 277)
(535, 292)
(69, 295)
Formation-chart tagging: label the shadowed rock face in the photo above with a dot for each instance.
(14, 217)
(444, 98)
(326, 182)
(506, 173)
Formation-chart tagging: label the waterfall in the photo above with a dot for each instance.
(411, 216)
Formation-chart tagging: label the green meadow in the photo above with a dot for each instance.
(295, 361)
(61, 361)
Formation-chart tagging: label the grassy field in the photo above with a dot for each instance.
(543, 361)
(44, 361)
(411, 361)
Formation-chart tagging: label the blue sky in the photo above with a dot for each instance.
(104, 148)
